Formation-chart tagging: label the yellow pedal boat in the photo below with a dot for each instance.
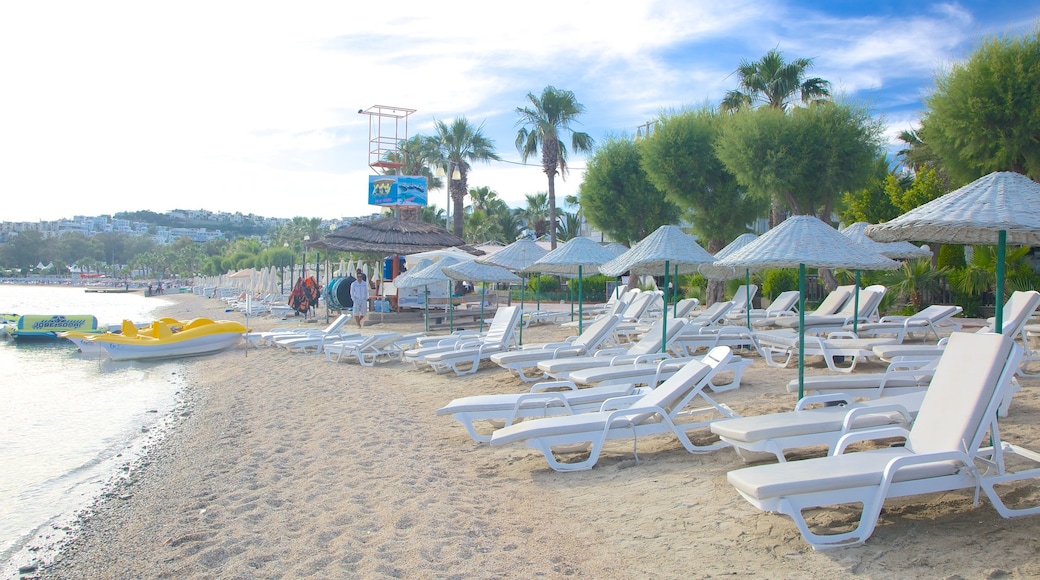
(164, 340)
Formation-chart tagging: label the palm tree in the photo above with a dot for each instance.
(536, 214)
(541, 126)
(456, 146)
(772, 82)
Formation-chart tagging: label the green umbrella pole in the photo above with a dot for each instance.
(855, 312)
(675, 304)
(538, 292)
(580, 316)
(801, 331)
(426, 305)
(451, 308)
(523, 286)
(483, 292)
(664, 311)
(747, 288)
(998, 313)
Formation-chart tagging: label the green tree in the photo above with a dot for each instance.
(984, 114)
(872, 203)
(456, 146)
(775, 83)
(808, 157)
(568, 226)
(926, 187)
(541, 124)
(914, 280)
(618, 197)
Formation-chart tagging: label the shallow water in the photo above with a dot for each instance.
(71, 422)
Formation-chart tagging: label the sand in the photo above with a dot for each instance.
(285, 466)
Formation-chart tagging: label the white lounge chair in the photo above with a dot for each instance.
(869, 300)
(786, 304)
(899, 378)
(504, 321)
(314, 343)
(597, 333)
(695, 339)
(267, 338)
(466, 358)
(654, 372)
(831, 304)
(780, 346)
(742, 298)
(946, 449)
(647, 348)
(663, 410)
(543, 400)
(367, 351)
(928, 320)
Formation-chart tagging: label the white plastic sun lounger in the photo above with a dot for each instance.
(646, 348)
(928, 320)
(367, 351)
(663, 410)
(268, 338)
(597, 333)
(780, 346)
(466, 359)
(869, 300)
(655, 372)
(832, 304)
(502, 326)
(948, 448)
(543, 400)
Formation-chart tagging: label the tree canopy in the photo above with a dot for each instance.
(984, 115)
(617, 196)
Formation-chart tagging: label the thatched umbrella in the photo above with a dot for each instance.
(895, 250)
(390, 235)
(474, 271)
(1000, 208)
(571, 258)
(667, 245)
(515, 257)
(432, 274)
(802, 241)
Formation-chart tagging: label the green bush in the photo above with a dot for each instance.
(593, 288)
(779, 280)
(951, 256)
(544, 282)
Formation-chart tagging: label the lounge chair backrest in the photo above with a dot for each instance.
(684, 306)
(869, 300)
(713, 313)
(674, 390)
(651, 341)
(638, 306)
(834, 301)
(336, 324)
(741, 297)
(614, 307)
(961, 389)
(1018, 309)
(784, 302)
(502, 325)
(597, 332)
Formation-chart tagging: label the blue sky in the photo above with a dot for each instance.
(252, 106)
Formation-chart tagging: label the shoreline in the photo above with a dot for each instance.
(284, 465)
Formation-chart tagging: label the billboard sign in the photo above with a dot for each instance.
(397, 190)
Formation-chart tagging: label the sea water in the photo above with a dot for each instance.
(69, 422)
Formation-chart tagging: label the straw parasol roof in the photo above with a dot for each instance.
(477, 272)
(894, 250)
(516, 256)
(431, 274)
(390, 235)
(666, 245)
(574, 254)
(737, 243)
(974, 214)
(806, 240)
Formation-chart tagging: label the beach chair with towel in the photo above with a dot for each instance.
(928, 320)
(954, 444)
(831, 304)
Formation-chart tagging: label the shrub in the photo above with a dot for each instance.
(779, 280)
(593, 288)
(543, 282)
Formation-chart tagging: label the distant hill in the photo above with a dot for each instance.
(229, 229)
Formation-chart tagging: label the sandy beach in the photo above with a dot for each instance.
(286, 466)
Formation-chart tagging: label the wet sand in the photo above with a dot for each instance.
(285, 465)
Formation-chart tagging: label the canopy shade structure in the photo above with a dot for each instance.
(894, 250)
(476, 272)
(516, 256)
(390, 235)
(572, 258)
(666, 248)
(1001, 208)
(802, 241)
(432, 273)
(737, 243)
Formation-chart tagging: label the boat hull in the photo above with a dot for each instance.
(196, 346)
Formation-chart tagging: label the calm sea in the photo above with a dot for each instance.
(70, 421)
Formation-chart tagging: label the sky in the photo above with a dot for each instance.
(253, 106)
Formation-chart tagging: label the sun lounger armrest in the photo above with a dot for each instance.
(822, 400)
(851, 416)
(869, 435)
(610, 352)
(553, 385)
(842, 334)
(644, 358)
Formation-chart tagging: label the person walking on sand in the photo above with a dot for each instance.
(359, 294)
